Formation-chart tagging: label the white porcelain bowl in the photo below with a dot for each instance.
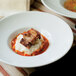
(58, 7)
(53, 28)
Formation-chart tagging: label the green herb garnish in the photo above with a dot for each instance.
(75, 7)
(42, 49)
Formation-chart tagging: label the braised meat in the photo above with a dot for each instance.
(30, 37)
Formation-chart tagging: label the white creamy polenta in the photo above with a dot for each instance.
(22, 48)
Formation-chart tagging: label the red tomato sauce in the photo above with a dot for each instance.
(37, 52)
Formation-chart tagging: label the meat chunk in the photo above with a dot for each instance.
(30, 37)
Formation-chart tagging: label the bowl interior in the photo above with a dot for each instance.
(62, 2)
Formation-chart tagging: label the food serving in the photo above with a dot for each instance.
(70, 5)
(29, 43)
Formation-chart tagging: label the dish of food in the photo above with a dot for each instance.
(54, 37)
(30, 43)
(62, 7)
(70, 5)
